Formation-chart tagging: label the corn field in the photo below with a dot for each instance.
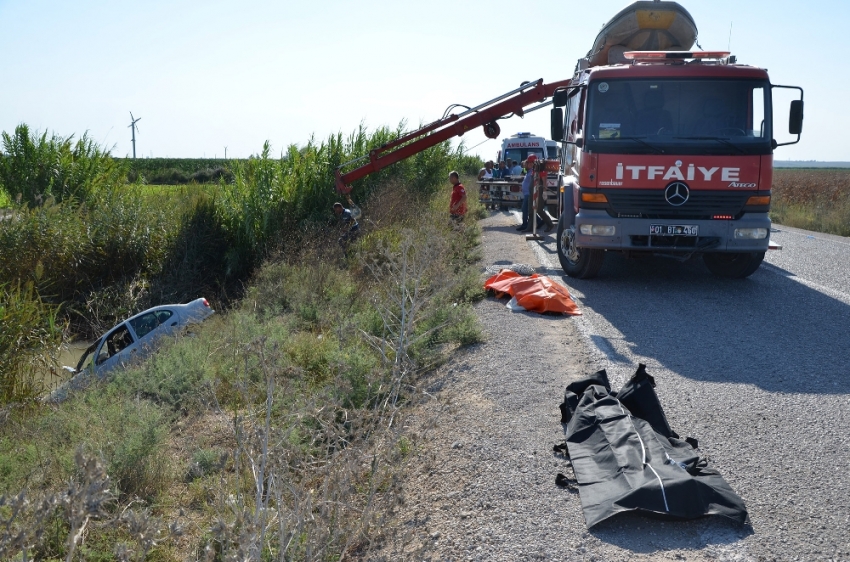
(812, 199)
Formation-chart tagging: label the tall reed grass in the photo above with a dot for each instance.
(30, 333)
(271, 198)
(36, 168)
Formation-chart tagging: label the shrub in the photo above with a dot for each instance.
(135, 461)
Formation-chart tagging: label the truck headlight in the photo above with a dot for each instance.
(750, 233)
(598, 230)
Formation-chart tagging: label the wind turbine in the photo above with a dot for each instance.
(134, 128)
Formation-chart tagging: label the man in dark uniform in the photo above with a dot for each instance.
(345, 217)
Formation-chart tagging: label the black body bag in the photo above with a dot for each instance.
(627, 458)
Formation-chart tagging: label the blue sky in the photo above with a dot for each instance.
(205, 75)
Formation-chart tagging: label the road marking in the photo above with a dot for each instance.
(813, 237)
(837, 295)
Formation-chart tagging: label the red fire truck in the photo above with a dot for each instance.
(670, 153)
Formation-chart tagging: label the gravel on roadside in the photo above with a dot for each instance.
(482, 483)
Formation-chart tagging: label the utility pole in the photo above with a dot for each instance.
(134, 128)
(225, 153)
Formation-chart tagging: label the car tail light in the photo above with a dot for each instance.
(206, 303)
(514, 188)
(722, 217)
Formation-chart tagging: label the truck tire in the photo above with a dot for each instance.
(579, 263)
(733, 266)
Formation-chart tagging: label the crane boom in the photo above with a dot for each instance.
(413, 143)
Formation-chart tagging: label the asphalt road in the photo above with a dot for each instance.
(758, 370)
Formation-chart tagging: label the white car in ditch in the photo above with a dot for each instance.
(130, 341)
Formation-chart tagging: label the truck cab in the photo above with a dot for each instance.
(671, 153)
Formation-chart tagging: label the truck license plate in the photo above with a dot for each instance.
(673, 230)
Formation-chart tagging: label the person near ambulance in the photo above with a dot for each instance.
(539, 171)
(457, 206)
(528, 183)
(486, 173)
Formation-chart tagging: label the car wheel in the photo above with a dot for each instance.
(733, 266)
(581, 263)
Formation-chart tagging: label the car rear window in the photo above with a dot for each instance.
(146, 323)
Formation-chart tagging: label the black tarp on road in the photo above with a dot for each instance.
(627, 458)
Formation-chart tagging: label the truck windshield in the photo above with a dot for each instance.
(694, 116)
(520, 154)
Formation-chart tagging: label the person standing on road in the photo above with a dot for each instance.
(531, 176)
(502, 172)
(527, 183)
(516, 169)
(457, 206)
(541, 177)
(486, 173)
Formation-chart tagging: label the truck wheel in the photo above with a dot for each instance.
(733, 266)
(581, 263)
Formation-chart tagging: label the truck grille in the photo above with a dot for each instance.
(651, 204)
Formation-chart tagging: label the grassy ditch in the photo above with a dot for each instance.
(96, 248)
(812, 199)
(272, 432)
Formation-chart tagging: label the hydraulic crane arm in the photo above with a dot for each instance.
(485, 115)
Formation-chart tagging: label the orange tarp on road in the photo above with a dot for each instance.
(535, 293)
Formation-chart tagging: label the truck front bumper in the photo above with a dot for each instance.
(634, 234)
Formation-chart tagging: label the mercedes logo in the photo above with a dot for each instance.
(677, 193)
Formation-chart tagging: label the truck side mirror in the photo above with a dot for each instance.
(795, 117)
(795, 120)
(561, 97)
(557, 124)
